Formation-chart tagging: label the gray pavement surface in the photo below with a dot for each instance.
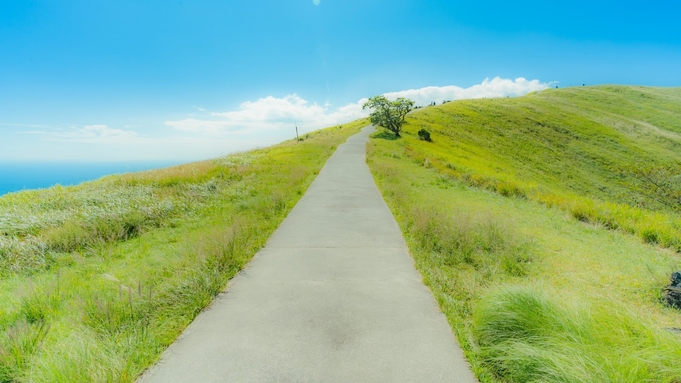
(332, 297)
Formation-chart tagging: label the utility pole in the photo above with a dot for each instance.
(297, 139)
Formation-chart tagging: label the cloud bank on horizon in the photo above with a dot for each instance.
(497, 87)
(259, 123)
(91, 134)
(271, 114)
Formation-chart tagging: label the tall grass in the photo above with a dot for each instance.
(121, 327)
(525, 335)
(36, 227)
(17, 344)
(457, 239)
(97, 280)
(531, 294)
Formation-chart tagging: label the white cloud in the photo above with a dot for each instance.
(497, 87)
(24, 125)
(102, 132)
(271, 114)
(256, 123)
(101, 143)
(87, 134)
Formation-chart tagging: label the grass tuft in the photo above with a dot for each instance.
(524, 335)
(457, 239)
(18, 343)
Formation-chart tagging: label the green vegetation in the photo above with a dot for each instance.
(509, 212)
(525, 336)
(389, 114)
(424, 135)
(98, 279)
(546, 226)
(580, 149)
(661, 183)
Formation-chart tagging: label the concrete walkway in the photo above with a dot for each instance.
(333, 297)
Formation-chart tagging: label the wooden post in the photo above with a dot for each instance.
(297, 139)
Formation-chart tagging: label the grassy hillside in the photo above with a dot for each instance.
(98, 279)
(576, 148)
(508, 214)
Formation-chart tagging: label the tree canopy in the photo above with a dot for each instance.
(389, 114)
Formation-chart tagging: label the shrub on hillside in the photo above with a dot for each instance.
(424, 135)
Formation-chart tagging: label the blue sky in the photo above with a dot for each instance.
(184, 80)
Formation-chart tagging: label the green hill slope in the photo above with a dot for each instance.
(577, 148)
(532, 293)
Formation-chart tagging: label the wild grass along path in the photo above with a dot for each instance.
(333, 297)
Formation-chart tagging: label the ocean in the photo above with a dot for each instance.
(16, 176)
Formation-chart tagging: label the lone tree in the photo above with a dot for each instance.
(389, 114)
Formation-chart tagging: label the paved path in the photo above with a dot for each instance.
(333, 297)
